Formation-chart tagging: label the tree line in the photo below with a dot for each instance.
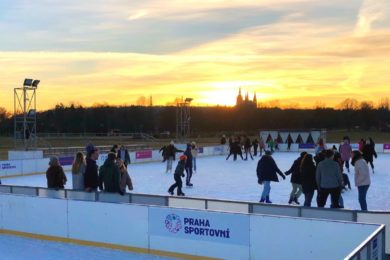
(156, 119)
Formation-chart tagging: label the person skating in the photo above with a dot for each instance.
(266, 172)
(346, 152)
(271, 145)
(321, 146)
(362, 178)
(369, 153)
(295, 179)
(261, 146)
(124, 155)
(308, 178)
(247, 147)
(194, 152)
(179, 172)
(91, 179)
(223, 140)
(163, 153)
(55, 175)
(109, 175)
(188, 165)
(329, 180)
(255, 144)
(170, 153)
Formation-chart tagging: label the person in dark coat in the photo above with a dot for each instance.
(91, 179)
(170, 153)
(247, 147)
(223, 140)
(266, 172)
(255, 144)
(308, 178)
(124, 155)
(188, 165)
(163, 153)
(179, 172)
(295, 179)
(369, 153)
(109, 175)
(55, 175)
(114, 149)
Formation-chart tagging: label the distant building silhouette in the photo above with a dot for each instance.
(241, 103)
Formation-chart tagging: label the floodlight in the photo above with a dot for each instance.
(188, 100)
(32, 112)
(28, 82)
(35, 83)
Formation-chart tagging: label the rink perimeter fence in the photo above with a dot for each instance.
(185, 233)
(33, 166)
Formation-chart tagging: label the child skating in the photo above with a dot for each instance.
(179, 172)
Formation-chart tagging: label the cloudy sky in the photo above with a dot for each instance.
(114, 51)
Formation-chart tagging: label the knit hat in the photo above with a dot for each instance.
(183, 157)
(90, 149)
(53, 161)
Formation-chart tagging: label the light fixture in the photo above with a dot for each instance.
(188, 100)
(35, 83)
(28, 82)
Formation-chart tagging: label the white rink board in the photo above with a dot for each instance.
(34, 215)
(303, 237)
(377, 218)
(187, 203)
(118, 224)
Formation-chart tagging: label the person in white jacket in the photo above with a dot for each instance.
(362, 177)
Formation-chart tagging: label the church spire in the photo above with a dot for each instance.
(255, 98)
(239, 98)
(247, 97)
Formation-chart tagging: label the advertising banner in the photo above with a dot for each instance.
(307, 146)
(386, 148)
(200, 225)
(66, 161)
(10, 168)
(147, 154)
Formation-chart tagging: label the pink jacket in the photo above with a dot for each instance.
(362, 174)
(345, 151)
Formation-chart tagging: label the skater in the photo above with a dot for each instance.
(78, 172)
(179, 172)
(346, 152)
(109, 175)
(321, 146)
(266, 172)
(247, 147)
(163, 153)
(255, 144)
(362, 143)
(369, 153)
(91, 180)
(188, 165)
(194, 152)
(55, 175)
(308, 178)
(289, 142)
(170, 153)
(125, 179)
(329, 180)
(295, 180)
(339, 161)
(231, 148)
(124, 155)
(362, 178)
(261, 146)
(238, 149)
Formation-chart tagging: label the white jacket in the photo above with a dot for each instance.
(362, 173)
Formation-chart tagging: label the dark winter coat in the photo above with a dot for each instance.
(188, 153)
(369, 152)
(308, 178)
(163, 150)
(247, 143)
(255, 144)
(267, 169)
(171, 150)
(127, 156)
(56, 178)
(236, 148)
(109, 177)
(223, 140)
(295, 171)
(179, 171)
(91, 179)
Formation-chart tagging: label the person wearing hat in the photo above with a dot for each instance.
(179, 172)
(109, 175)
(91, 179)
(55, 175)
(188, 165)
(266, 172)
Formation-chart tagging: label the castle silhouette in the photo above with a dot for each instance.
(241, 102)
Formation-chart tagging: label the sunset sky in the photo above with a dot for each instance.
(112, 51)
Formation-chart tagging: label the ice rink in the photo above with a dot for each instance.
(12, 247)
(229, 180)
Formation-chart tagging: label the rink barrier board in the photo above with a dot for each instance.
(381, 217)
(75, 224)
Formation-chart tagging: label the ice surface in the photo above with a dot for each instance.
(12, 247)
(229, 180)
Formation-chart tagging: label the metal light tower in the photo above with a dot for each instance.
(25, 115)
(183, 119)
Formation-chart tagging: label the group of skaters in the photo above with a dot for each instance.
(238, 144)
(323, 173)
(112, 176)
(187, 163)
